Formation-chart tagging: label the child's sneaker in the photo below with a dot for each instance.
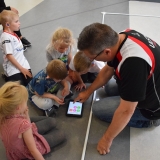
(24, 48)
(25, 42)
(52, 111)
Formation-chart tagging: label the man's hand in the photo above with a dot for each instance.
(82, 97)
(104, 145)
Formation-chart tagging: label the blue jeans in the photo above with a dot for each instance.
(105, 108)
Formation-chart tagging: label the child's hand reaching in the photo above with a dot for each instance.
(26, 72)
(80, 86)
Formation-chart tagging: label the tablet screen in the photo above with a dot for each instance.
(74, 109)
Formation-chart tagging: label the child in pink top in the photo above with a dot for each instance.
(21, 138)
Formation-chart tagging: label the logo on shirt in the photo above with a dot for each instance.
(151, 42)
(6, 41)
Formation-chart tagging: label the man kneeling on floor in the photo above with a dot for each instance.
(134, 61)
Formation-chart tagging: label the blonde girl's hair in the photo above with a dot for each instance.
(7, 16)
(56, 69)
(12, 94)
(81, 62)
(60, 36)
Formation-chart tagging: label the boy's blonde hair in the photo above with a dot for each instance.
(7, 16)
(81, 62)
(61, 36)
(56, 69)
(12, 94)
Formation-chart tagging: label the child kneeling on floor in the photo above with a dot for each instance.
(80, 64)
(21, 138)
(45, 89)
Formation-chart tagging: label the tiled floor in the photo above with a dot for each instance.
(38, 20)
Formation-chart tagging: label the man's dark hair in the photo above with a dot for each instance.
(96, 37)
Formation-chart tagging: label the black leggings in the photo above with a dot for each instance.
(47, 128)
(89, 77)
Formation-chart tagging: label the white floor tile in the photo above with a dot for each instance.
(145, 144)
(146, 25)
(22, 6)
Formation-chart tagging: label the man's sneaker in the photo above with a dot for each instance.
(24, 48)
(155, 123)
(69, 95)
(52, 111)
(25, 42)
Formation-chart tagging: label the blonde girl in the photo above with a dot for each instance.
(60, 46)
(21, 138)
